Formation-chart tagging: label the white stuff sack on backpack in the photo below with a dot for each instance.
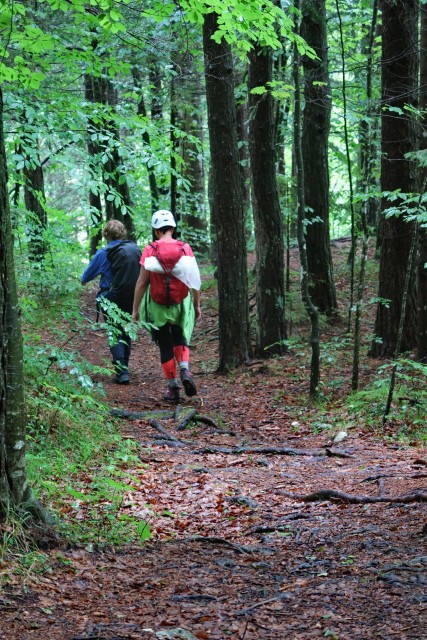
(186, 270)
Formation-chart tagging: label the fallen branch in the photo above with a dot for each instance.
(331, 495)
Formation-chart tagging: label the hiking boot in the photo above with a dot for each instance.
(121, 378)
(172, 395)
(188, 382)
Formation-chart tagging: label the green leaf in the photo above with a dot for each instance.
(144, 531)
(258, 91)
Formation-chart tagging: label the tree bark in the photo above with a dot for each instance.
(14, 488)
(311, 309)
(399, 82)
(34, 197)
(422, 233)
(315, 133)
(114, 171)
(190, 117)
(227, 201)
(270, 276)
(93, 148)
(142, 113)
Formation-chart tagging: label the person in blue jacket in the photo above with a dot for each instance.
(118, 266)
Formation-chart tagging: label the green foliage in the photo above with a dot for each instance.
(409, 408)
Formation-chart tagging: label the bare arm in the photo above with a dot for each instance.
(140, 289)
(196, 303)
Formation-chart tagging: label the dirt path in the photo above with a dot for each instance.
(235, 553)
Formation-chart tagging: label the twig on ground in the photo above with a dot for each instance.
(247, 610)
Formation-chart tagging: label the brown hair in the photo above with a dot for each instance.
(114, 230)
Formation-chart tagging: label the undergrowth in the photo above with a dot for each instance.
(77, 461)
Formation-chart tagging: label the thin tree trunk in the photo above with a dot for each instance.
(243, 142)
(352, 255)
(408, 275)
(299, 166)
(422, 231)
(190, 112)
(91, 95)
(34, 198)
(173, 153)
(367, 180)
(234, 336)
(142, 113)
(118, 203)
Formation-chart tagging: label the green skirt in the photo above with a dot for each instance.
(154, 316)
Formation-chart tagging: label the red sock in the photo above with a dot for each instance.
(169, 369)
(181, 353)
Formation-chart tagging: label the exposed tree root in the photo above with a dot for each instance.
(189, 416)
(168, 437)
(281, 451)
(140, 415)
(201, 418)
(339, 496)
(216, 540)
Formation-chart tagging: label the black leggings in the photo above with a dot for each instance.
(168, 337)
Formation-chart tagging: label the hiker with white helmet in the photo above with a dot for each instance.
(169, 289)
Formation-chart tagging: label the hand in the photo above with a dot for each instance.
(198, 312)
(135, 316)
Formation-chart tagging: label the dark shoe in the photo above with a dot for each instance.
(172, 395)
(188, 382)
(121, 378)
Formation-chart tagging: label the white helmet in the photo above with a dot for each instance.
(163, 218)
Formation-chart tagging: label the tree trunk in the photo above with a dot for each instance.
(190, 115)
(93, 148)
(270, 276)
(234, 336)
(119, 207)
(368, 131)
(299, 169)
(34, 198)
(399, 82)
(315, 133)
(422, 233)
(173, 193)
(243, 144)
(142, 113)
(14, 488)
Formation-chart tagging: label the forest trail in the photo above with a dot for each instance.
(235, 552)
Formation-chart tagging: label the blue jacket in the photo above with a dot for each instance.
(100, 265)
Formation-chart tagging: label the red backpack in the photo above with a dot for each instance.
(164, 287)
